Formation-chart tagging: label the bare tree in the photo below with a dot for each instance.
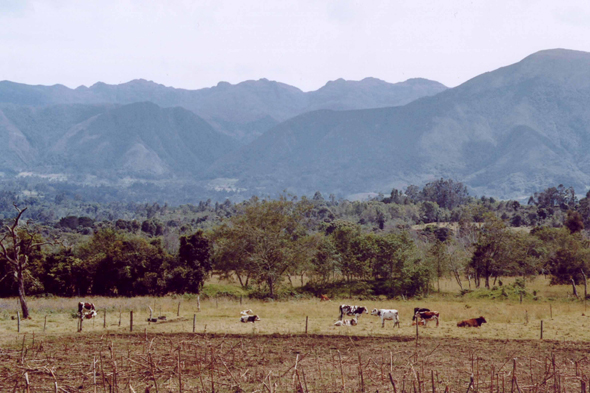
(17, 245)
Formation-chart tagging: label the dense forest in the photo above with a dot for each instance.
(396, 245)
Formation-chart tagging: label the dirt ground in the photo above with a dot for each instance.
(185, 362)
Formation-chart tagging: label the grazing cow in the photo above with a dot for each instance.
(86, 310)
(324, 298)
(389, 315)
(346, 322)
(427, 316)
(249, 318)
(475, 322)
(418, 309)
(352, 311)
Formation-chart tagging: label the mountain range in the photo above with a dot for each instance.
(506, 133)
(243, 111)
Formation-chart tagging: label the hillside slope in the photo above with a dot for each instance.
(506, 133)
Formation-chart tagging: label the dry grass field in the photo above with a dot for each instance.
(226, 355)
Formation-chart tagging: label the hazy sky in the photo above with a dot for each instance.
(194, 44)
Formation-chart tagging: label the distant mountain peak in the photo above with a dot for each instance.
(559, 53)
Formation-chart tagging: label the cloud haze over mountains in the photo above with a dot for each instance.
(506, 133)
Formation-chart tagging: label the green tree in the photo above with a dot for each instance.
(492, 254)
(193, 264)
(269, 237)
(123, 264)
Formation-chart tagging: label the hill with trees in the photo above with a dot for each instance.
(505, 133)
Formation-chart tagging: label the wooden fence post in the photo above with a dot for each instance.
(18, 321)
(194, 322)
(104, 322)
(178, 311)
(120, 311)
(306, 320)
(131, 320)
(541, 329)
(198, 302)
(45, 324)
(551, 311)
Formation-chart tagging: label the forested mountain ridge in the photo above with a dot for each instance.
(108, 141)
(504, 133)
(243, 111)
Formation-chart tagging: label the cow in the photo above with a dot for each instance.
(418, 309)
(324, 298)
(352, 311)
(475, 322)
(246, 312)
(427, 316)
(389, 315)
(420, 323)
(346, 322)
(86, 310)
(249, 318)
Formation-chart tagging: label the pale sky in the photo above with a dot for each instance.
(195, 44)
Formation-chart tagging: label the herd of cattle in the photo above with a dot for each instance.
(421, 316)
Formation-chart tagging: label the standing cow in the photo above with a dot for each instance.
(427, 316)
(352, 311)
(418, 309)
(389, 315)
(86, 310)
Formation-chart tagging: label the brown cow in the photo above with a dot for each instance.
(420, 323)
(426, 316)
(324, 298)
(475, 322)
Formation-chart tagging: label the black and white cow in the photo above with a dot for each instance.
(249, 318)
(86, 310)
(352, 311)
(418, 309)
(387, 315)
(346, 322)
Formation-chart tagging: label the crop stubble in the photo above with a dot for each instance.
(275, 363)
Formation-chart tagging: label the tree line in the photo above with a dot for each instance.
(399, 245)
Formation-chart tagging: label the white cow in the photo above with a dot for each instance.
(389, 315)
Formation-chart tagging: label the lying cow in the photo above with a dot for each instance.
(389, 315)
(420, 323)
(86, 310)
(346, 322)
(246, 312)
(352, 311)
(324, 298)
(427, 316)
(475, 322)
(418, 309)
(249, 318)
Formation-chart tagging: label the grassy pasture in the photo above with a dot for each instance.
(507, 319)
(226, 355)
